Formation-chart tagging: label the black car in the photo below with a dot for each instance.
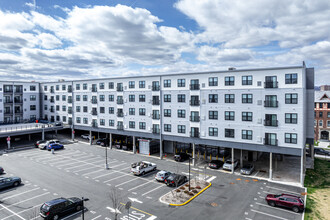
(181, 157)
(59, 207)
(215, 164)
(36, 144)
(321, 151)
(175, 180)
(103, 141)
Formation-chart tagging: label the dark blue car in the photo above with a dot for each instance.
(55, 146)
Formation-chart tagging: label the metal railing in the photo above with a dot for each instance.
(268, 141)
(194, 86)
(273, 123)
(272, 104)
(194, 102)
(194, 118)
(271, 84)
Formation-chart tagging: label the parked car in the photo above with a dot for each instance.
(180, 157)
(162, 175)
(140, 168)
(55, 146)
(247, 169)
(45, 145)
(85, 136)
(175, 180)
(321, 151)
(227, 165)
(215, 164)
(37, 143)
(58, 124)
(285, 200)
(127, 147)
(103, 141)
(57, 208)
(9, 181)
(1, 170)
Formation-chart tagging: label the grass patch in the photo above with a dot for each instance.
(315, 180)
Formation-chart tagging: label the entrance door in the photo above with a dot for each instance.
(250, 156)
(325, 135)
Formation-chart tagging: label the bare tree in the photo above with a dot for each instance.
(116, 200)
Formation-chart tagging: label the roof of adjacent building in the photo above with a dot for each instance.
(322, 96)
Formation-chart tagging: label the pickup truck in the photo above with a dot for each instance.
(142, 167)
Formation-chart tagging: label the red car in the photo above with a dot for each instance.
(285, 200)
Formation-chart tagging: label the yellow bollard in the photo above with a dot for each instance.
(204, 155)
(176, 150)
(210, 156)
(186, 151)
(181, 150)
(223, 158)
(198, 154)
(217, 157)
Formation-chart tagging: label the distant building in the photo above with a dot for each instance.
(322, 113)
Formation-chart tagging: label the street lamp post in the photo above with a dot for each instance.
(106, 157)
(190, 158)
(83, 207)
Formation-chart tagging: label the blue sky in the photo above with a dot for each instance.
(72, 39)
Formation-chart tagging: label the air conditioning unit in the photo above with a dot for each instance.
(125, 113)
(259, 120)
(259, 102)
(203, 133)
(259, 139)
(125, 126)
(204, 117)
(149, 114)
(125, 100)
(125, 87)
(203, 101)
(149, 128)
(149, 87)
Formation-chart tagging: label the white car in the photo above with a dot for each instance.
(85, 136)
(228, 166)
(162, 175)
(45, 145)
(142, 167)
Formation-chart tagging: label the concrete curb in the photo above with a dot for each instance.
(182, 204)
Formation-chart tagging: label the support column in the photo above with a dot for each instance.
(302, 168)
(161, 149)
(311, 149)
(241, 159)
(72, 134)
(110, 138)
(90, 137)
(56, 133)
(193, 145)
(134, 145)
(29, 137)
(232, 160)
(270, 165)
(275, 162)
(43, 135)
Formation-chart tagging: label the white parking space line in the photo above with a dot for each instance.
(267, 214)
(284, 210)
(27, 199)
(27, 154)
(128, 181)
(210, 179)
(152, 190)
(61, 160)
(78, 162)
(283, 190)
(3, 207)
(111, 172)
(85, 174)
(20, 194)
(138, 186)
(114, 178)
(8, 190)
(96, 217)
(77, 171)
(25, 210)
(51, 156)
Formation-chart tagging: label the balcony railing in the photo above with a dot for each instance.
(94, 89)
(120, 101)
(70, 112)
(70, 101)
(94, 101)
(18, 101)
(8, 112)
(120, 114)
(8, 91)
(19, 91)
(52, 91)
(94, 124)
(8, 101)
(52, 110)
(70, 123)
(155, 116)
(268, 141)
(194, 118)
(272, 104)
(52, 100)
(120, 89)
(155, 88)
(155, 130)
(19, 112)
(94, 112)
(194, 102)
(271, 84)
(120, 127)
(155, 102)
(273, 123)
(194, 134)
(69, 89)
(194, 86)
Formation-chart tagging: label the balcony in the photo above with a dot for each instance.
(271, 84)
(94, 125)
(94, 112)
(8, 112)
(18, 112)
(52, 91)
(70, 101)
(194, 86)
(52, 100)
(94, 101)
(69, 89)
(18, 91)
(194, 118)
(120, 89)
(273, 123)
(8, 101)
(120, 114)
(155, 130)
(120, 127)
(155, 88)
(155, 102)
(18, 101)
(70, 112)
(271, 104)
(70, 123)
(270, 142)
(194, 102)
(52, 110)
(8, 91)
(155, 116)
(120, 101)
(194, 134)
(94, 89)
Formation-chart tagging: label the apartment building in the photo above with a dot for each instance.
(19, 102)
(322, 114)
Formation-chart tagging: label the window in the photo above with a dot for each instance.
(33, 117)
(142, 98)
(247, 116)
(167, 98)
(291, 78)
(328, 105)
(328, 114)
(102, 98)
(131, 98)
(213, 98)
(142, 111)
(63, 97)
(78, 98)
(64, 118)
(102, 110)
(57, 98)
(181, 129)
(181, 98)
(46, 107)
(85, 121)
(246, 80)
(131, 111)
(111, 123)
(63, 87)
(85, 86)
(320, 114)
(181, 83)
(131, 84)
(64, 108)
(320, 105)
(181, 113)
(247, 134)
(213, 81)
(167, 112)
(77, 108)
(229, 80)
(131, 124)
(229, 115)
(85, 97)
(271, 101)
(57, 107)
(111, 85)
(167, 83)
(45, 88)
(85, 109)
(32, 88)
(57, 87)
(167, 127)
(77, 86)
(247, 98)
(320, 123)
(213, 132)
(78, 120)
(194, 84)
(229, 133)
(33, 98)
(101, 85)
(111, 98)
(229, 98)
(291, 138)
(142, 84)
(291, 118)
(328, 123)
(213, 115)
(291, 98)
(142, 125)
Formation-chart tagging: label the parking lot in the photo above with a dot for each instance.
(79, 170)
